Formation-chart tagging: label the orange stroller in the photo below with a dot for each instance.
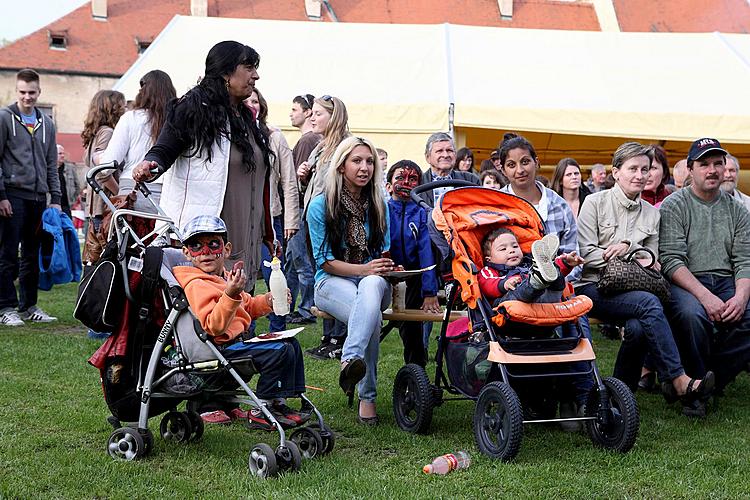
(502, 350)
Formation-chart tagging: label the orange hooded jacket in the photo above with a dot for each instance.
(221, 316)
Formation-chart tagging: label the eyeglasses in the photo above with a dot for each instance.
(214, 245)
(327, 98)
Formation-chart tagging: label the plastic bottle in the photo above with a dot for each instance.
(277, 283)
(447, 463)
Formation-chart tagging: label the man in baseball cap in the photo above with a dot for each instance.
(705, 252)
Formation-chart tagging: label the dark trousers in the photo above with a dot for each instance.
(411, 331)
(645, 308)
(21, 228)
(705, 345)
(280, 365)
(527, 293)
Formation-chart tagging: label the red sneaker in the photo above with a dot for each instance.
(257, 420)
(297, 417)
(238, 414)
(216, 417)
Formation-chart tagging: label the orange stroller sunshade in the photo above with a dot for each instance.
(467, 214)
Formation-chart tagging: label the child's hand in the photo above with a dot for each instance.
(236, 280)
(512, 283)
(430, 305)
(269, 299)
(572, 259)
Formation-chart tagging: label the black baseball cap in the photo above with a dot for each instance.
(702, 147)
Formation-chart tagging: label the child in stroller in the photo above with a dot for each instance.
(224, 311)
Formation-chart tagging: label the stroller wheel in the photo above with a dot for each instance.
(262, 461)
(288, 457)
(126, 444)
(498, 421)
(197, 423)
(412, 399)
(176, 426)
(148, 441)
(618, 420)
(327, 437)
(308, 441)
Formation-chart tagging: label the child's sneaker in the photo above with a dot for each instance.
(238, 414)
(218, 417)
(257, 420)
(543, 269)
(36, 315)
(298, 417)
(10, 317)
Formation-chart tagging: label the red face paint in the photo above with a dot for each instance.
(404, 180)
(213, 246)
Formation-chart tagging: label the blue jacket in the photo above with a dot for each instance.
(410, 241)
(59, 252)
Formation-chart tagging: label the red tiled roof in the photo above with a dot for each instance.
(687, 16)
(109, 47)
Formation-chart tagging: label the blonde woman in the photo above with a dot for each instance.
(349, 232)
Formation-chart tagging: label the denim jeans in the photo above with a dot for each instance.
(358, 302)
(705, 345)
(21, 228)
(275, 323)
(648, 311)
(299, 273)
(527, 293)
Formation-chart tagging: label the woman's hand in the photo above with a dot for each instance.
(512, 282)
(377, 266)
(303, 170)
(236, 280)
(142, 173)
(572, 259)
(288, 233)
(431, 305)
(615, 250)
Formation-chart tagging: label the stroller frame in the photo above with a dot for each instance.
(611, 416)
(126, 443)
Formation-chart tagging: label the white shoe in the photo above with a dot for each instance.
(543, 253)
(10, 317)
(36, 315)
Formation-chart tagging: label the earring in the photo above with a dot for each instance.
(226, 82)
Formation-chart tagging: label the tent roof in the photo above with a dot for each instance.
(404, 77)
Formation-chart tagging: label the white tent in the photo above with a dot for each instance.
(570, 91)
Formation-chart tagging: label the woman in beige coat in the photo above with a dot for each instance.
(611, 224)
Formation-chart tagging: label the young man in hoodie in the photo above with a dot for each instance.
(28, 172)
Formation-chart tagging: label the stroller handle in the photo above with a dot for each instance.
(436, 184)
(91, 174)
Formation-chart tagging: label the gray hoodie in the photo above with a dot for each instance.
(28, 162)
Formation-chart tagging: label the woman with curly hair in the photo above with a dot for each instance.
(138, 130)
(105, 110)
(349, 233)
(216, 159)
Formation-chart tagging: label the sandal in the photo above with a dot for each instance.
(704, 389)
(352, 371)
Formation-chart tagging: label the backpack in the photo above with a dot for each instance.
(101, 293)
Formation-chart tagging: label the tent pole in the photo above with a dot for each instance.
(451, 129)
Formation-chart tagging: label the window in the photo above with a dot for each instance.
(47, 109)
(58, 40)
(142, 44)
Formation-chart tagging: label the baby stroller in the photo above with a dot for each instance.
(158, 355)
(505, 349)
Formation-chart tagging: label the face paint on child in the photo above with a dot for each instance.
(213, 246)
(404, 180)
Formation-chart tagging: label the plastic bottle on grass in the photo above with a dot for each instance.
(277, 284)
(447, 463)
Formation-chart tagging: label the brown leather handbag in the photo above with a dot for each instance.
(626, 274)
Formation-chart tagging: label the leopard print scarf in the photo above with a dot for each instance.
(355, 211)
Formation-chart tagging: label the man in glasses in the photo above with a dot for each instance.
(298, 269)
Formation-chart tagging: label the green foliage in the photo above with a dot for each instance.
(53, 438)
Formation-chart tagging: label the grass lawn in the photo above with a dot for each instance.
(53, 439)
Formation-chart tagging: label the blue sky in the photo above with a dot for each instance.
(20, 18)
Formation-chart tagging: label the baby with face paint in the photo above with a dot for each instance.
(412, 249)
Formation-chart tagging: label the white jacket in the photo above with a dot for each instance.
(193, 186)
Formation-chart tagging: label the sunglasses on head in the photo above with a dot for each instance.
(212, 246)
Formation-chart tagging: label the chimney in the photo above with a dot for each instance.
(99, 9)
(312, 9)
(506, 9)
(199, 8)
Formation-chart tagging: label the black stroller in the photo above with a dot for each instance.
(158, 355)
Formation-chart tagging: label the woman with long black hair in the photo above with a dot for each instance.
(219, 158)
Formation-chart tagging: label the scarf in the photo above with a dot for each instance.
(355, 211)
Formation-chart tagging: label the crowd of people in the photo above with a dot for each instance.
(340, 219)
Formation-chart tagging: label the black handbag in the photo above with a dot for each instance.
(626, 274)
(101, 293)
